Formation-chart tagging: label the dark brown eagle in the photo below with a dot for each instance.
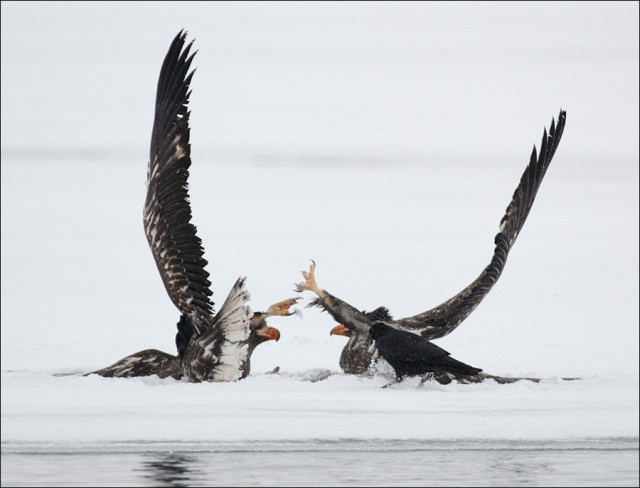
(439, 321)
(211, 346)
(153, 361)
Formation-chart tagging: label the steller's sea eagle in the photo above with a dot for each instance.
(211, 346)
(153, 361)
(439, 321)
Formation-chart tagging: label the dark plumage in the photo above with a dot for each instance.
(154, 362)
(356, 355)
(143, 363)
(412, 355)
(211, 346)
(444, 318)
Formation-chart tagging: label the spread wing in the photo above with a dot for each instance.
(176, 248)
(143, 363)
(444, 318)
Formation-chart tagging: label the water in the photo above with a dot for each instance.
(487, 463)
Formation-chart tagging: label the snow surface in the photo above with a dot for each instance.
(384, 141)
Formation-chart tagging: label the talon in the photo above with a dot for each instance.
(309, 280)
(282, 308)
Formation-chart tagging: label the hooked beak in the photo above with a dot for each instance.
(339, 330)
(271, 333)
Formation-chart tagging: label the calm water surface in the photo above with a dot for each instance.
(487, 465)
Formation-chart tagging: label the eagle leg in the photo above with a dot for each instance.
(282, 308)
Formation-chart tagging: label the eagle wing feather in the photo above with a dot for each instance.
(443, 319)
(176, 248)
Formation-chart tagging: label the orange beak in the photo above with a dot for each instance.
(339, 330)
(271, 333)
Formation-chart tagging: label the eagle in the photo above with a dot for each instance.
(154, 362)
(437, 322)
(211, 346)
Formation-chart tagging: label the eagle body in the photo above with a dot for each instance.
(154, 362)
(357, 354)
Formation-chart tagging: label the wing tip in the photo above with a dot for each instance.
(182, 34)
